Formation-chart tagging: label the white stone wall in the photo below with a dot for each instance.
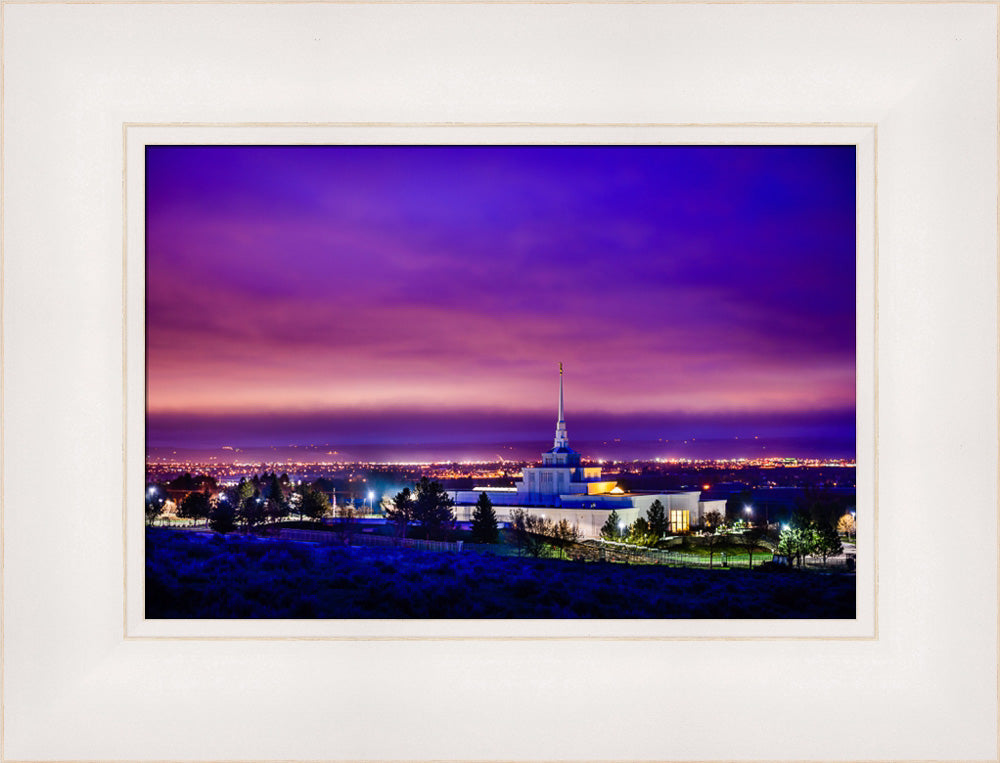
(587, 512)
(719, 505)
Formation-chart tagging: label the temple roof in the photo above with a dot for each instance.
(563, 449)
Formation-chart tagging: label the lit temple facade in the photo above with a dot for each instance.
(562, 488)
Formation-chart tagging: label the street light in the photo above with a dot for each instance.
(748, 510)
(621, 529)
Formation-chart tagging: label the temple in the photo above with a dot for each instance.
(562, 488)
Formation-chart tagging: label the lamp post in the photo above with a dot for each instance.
(748, 510)
(621, 529)
(371, 499)
(854, 523)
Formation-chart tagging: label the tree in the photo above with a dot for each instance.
(713, 540)
(846, 525)
(252, 512)
(222, 517)
(749, 539)
(531, 532)
(276, 510)
(798, 538)
(656, 515)
(183, 482)
(828, 541)
(639, 534)
(244, 489)
(564, 534)
(823, 505)
(275, 491)
(432, 506)
(610, 529)
(713, 520)
(539, 531)
(519, 526)
(314, 503)
(484, 521)
(399, 510)
(195, 506)
(804, 533)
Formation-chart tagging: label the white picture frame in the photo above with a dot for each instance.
(918, 82)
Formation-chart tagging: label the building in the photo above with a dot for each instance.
(562, 488)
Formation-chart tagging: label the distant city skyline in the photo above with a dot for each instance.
(394, 295)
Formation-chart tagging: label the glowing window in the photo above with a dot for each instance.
(679, 520)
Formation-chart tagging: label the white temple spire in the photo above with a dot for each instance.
(562, 439)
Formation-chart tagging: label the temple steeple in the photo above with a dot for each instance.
(562, 439)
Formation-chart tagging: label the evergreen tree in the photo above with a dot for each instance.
(275, 491)
(276, 506)
(639, 533)
(399, 510)
(222, 517)
(244, 490)
(252, 511)
(484, 521)
(432, 506)
(656, 515)
(610, 530)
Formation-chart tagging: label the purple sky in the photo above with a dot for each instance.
(389, 294)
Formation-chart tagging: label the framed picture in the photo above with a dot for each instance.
(95, 354)
(373, 204)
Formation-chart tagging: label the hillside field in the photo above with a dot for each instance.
(198, 575)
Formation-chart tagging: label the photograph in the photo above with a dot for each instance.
(612, 381)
